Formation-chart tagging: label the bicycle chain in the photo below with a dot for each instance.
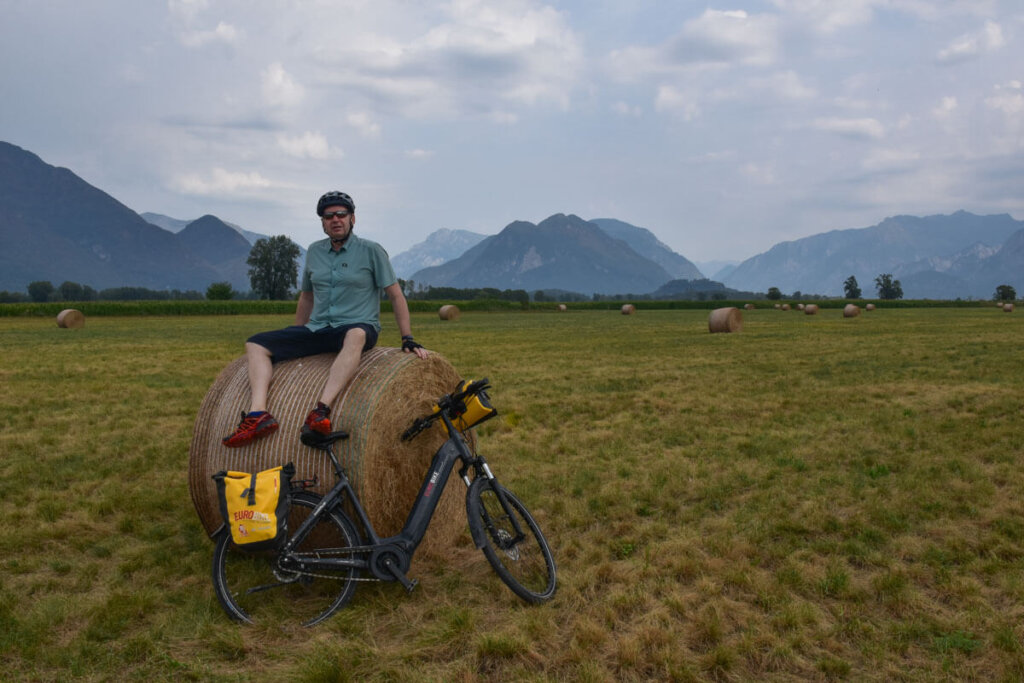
(298, 572)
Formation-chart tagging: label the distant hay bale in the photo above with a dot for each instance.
(71, 319)
(801, 306)
(748, 307)
(728, 319)
(628, 309)
(449, 312)
(778, 306)
(869, 307)
(785, 307)
(388, 391)
(1008, 308)
(851, 311)
(562, 307)
(810, 309)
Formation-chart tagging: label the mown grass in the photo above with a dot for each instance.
(813, 498)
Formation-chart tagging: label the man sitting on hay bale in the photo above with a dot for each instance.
(338, 312)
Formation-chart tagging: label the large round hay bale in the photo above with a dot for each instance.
(1008, 308)
(71, 318)
(389, 390)
(851, 311)
(785, 307)
(869, 307)
(801, 306)
(810, 309)
(728, 319)
(628, 309)
(449, 312)
(748, 307)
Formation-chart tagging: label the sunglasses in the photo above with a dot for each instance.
(328, 215)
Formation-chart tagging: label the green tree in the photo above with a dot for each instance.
(273, 267)
(774, 293)
(40, 290)
(220, 291)
(851, 288)
(71, 291)
(1005, 293)
(887, 287)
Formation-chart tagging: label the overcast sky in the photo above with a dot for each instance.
(722, 127)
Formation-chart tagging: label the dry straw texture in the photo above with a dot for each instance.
(628, 309)
(851, 311)
(785, 307)
(449, 312)
(810, 309)
(1008, 308)
(71, 318)
(390, 389)
(725, 320)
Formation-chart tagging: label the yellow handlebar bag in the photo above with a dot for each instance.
(255, 507)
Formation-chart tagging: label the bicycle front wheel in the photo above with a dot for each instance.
(522, 560)
(252, 588)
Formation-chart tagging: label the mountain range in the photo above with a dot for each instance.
(55, 226)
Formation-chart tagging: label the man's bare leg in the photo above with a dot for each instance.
(261, 369)
(344, 366)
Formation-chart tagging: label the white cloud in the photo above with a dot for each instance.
(762, 174)
(221, 182)
(890, 159)
(308, 145)
(854, 128)
(1008, 99)
(829, 16)
(279, 88)
(364, 123)
(626, 109)
(223, 33)
(419, 154)
(971, 45)
(671, 99)
(945, 108)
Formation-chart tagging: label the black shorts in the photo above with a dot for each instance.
(297, 341)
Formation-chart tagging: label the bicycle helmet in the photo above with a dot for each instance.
(334, 199)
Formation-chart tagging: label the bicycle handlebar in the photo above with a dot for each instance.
(453, 404)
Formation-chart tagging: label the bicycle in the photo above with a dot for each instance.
(324, 558)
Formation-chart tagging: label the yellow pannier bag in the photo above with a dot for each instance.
(255, 507)
(477, 409)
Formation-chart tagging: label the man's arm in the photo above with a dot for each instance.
(400, 307)
(305, 308)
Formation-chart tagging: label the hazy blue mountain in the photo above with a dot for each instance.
(220, 245)
(561, 252)
(176, 225)
(55, 226)
(646, 244)
(821, 263)
(440, 247)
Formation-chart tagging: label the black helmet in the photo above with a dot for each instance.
(334, 199)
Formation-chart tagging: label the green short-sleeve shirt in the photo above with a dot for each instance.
(346, 283)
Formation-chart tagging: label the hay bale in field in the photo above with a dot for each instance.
(785, 307)
(728, 319)
(748, 307)
(562, 307)
(800, 306)
(778, 307)
(628, 309)
(70, 318)
(851, 311)
(810, 309)
(1008, 308)
(389, 390)
(869, 307)
(449, 312)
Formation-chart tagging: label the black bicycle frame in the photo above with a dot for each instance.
(419, 517)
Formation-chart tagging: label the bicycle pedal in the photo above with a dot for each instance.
(400, 576)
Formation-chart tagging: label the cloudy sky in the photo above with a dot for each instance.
(723, 127)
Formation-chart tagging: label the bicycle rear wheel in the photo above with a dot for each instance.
(252, 588)
(525, 565)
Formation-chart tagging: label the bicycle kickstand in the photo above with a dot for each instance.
(402, 578)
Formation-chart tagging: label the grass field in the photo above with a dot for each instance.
(813, 498)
